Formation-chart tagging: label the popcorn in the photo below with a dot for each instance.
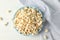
(45, 37)
(26, 19)
(46, 30)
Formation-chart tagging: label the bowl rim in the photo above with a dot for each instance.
(43, 18)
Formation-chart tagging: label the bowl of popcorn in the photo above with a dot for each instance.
(28, 20)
